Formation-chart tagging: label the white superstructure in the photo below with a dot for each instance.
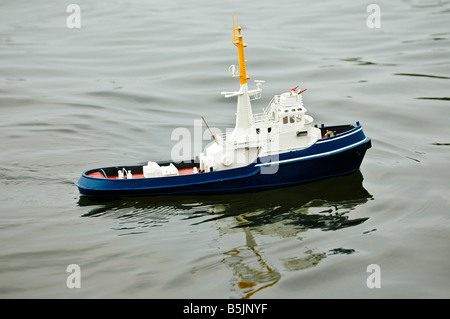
(284, 125)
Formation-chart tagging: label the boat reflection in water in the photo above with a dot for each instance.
(285, 212)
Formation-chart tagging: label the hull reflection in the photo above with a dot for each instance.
(281, 213)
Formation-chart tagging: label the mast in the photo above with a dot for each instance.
(239, 42)
(244, 112)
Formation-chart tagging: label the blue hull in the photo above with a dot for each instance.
(333, 156)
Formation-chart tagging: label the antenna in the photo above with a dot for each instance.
(234, 25)
(210, 130)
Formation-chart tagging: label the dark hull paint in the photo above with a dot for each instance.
(338, 155)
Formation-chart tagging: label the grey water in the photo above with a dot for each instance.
(112, 92)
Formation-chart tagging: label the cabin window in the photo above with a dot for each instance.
(292, 117)
(299, 117)
(257, 131)
(285, 120)
(269, 129)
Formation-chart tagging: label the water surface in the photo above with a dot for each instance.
(113, 91)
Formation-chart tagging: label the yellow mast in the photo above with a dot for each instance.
(239, 42)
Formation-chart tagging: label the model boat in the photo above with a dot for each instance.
(276, 148)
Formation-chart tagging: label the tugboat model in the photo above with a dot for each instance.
(276, 148)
